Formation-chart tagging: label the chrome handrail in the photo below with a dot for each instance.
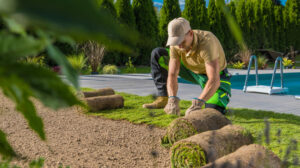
(274, 72)
(256, 71)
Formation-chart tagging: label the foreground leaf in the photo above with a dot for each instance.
(62, 60)
(233, 26)
(13, 47)
(5, 148)
(14, 27)
(43, 84)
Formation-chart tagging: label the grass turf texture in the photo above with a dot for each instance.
(284, 128)
(183, 130)
(188, 152)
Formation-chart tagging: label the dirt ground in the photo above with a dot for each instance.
(79, 140)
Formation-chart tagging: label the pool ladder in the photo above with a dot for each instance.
(263, 88)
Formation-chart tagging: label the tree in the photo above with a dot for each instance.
(292, 23)
(267, 8)
(109, 6)
(279, 34)
(201, 15)
(215, 23)
(169, 11)
(147, 25)
(126, 17)
(189, 13)
(242, 18)
(258, 25)
(232, 47)
(277, 2)
(250, 36)
(125, 13)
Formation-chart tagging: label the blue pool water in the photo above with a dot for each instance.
(290, 80)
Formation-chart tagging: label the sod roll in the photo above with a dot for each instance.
(206, 147)
(99, 92)
(196, 122)
(105, 102)
(248, 156)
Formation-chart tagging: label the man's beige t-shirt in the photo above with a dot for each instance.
(205, 48)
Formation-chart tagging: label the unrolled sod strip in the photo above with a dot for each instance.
(99, 92)
(248, 156)
(105, 102)
(200, 149)
(197, 122)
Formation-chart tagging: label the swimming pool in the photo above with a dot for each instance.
(290, 80)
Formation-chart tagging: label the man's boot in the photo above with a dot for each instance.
(160, 102)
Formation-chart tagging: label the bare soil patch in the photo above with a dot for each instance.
(79, 140)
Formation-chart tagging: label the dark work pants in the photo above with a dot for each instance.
(159, 74)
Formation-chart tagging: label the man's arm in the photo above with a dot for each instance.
(172, 83)
(213, 83)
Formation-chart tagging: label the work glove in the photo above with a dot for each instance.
(196, 105)
(173, 106)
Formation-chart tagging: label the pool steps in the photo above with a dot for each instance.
(264, 88)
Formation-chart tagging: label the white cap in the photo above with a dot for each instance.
(177, 29)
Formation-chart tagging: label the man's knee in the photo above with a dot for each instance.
(158, 52)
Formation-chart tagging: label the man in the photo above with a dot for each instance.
(196, 56)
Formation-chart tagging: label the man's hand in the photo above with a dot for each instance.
(173, 106)
(196, 105)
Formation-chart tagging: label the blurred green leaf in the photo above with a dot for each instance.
(59, 58)
(14, 27)
(7, 6)
(82, 19)
(67, 39)
(19, 92)
(234, 27)
(13, 47)
(5, 149)
(43, 83)
(67, 69)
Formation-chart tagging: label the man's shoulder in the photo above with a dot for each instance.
(203, 33)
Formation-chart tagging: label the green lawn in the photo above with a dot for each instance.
(139, 69)
(284, 128)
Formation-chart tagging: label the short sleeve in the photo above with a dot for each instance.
(173, 52)
(211, 49)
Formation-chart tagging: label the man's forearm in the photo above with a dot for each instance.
(210, 89)
(172, 85)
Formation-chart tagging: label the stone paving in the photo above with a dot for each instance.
(142, 84)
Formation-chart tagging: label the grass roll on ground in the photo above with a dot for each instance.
(248, 156)
(206, 147)
(196, 122)
(105, 102)
(99, 92)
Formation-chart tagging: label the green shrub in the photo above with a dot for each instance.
(238, 65)
(262, 62)
(110, 69)
(287, 62)
(38, 60)
(77, 61)
(130, 67)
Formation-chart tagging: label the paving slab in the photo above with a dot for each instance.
(143, 85)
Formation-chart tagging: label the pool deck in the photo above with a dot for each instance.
(142, 84)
